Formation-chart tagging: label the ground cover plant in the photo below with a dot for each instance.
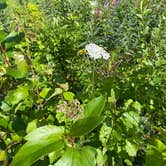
(82, 83)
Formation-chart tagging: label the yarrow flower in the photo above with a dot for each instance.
(96, 52)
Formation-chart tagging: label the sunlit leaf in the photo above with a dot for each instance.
(95, 106)
(75, 157)
(131, 148)
(85, 125)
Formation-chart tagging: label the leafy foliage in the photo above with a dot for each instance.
(58, 106)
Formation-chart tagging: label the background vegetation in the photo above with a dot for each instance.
(59, 107)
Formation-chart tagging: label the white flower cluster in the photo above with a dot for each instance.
(96, 51)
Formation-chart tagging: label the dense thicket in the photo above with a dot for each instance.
(59, 106)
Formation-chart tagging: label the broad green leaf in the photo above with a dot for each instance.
(88, 155)
(137, 106)
(2, 35)
(68, 95)
(95, 107)
(4, 122)
(21, 63)
(130, 119)
(75, 157)
(14, 97)
(3, 155)
(131, 148)
(5, 106)
(34, 150)
(158, 144)
(153, 156)
(68, 158)
(13, 37)
(44, 92)
(101, 157)
(85, 125)
(105, 133)
(20, 94)
(46, 133)
(53, 156)
(31, 126)
(14, 72)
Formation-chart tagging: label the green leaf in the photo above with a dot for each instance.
(95, 107)
(31, 126)
(46, 132)
(5, 106)
(14, 97)
(33, 150)
(14, 72)
(75, 157)
(130, 119)
(3, 155)
(41, 142)
(14, 37)
(44, 92)
(4, 122)
(88, 155)
(2, 35)
(21, 63)
(85, 125)
(153, 156)
(131, 148)
(101, 158)
(68, 95)
(158, 144)
(137, 106)
(20, 94)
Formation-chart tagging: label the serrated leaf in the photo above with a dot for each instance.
(130, 119)
(75, 157)
(95, 106)
(85, 125)
(14, 97)
(20, 94)
(137, 106)
(131, 148)
(33, 150)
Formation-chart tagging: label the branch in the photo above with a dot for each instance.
(5, 55)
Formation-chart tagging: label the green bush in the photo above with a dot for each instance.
(59, 106)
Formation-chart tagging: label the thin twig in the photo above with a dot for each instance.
(5, 55)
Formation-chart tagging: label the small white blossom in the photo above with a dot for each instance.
(96, 52)
(94, 3)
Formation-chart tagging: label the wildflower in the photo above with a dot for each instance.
(83, 51)
(96, 52)
(115, 2)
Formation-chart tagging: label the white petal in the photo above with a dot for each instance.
(96, 51)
